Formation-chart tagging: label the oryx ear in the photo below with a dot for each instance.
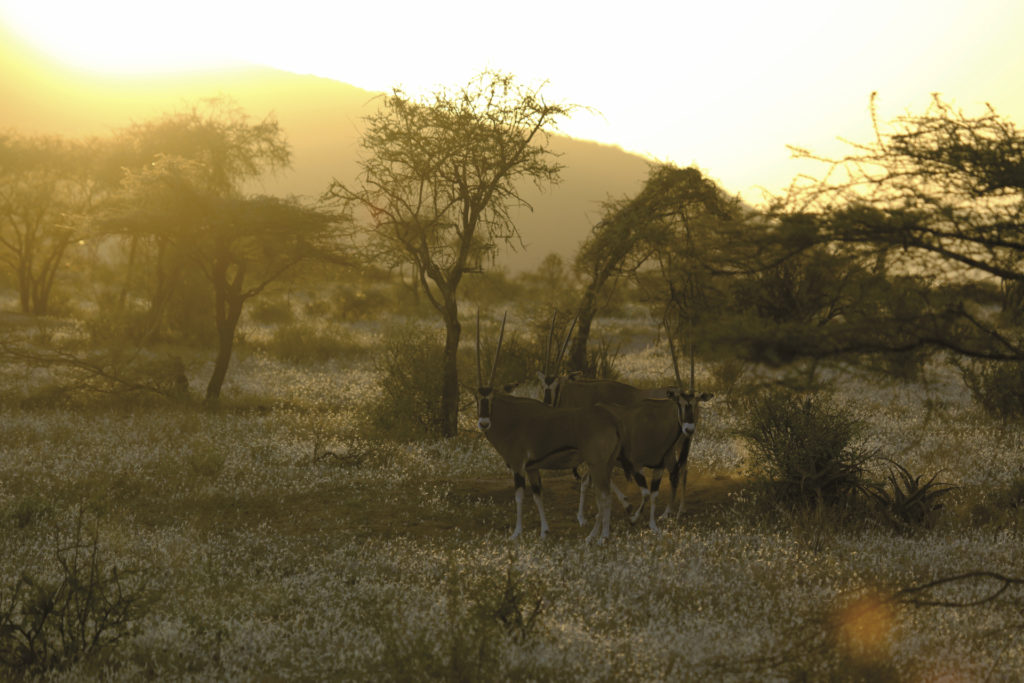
(706, 396)
(541, 376)
(575, 374)
(510, 387)
(671, 393)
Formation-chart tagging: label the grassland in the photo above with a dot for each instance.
(273, 540)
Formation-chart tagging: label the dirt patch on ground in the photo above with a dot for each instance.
(483, 505)
(467, 506)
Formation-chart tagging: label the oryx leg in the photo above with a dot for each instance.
(676, 476)
(535, 487)
(682, 494)
(584, 485)
(678, 471)
(603, 520)
(645, 493)
(520, 486)
(655, 487)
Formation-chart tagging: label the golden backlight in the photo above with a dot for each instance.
(724, 85)
(124, 37)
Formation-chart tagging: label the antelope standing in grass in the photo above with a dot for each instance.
(658, 426)
(531, 436)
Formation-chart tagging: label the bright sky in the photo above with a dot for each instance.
(724, 85)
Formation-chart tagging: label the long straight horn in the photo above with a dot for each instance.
(561, 352)
(691, 366)
(675, 361)
(551, 336)
(479, 372)
(497, 350)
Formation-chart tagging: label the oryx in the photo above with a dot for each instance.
(531, 436)
(658, 425)
(571, 391)
(656, 434)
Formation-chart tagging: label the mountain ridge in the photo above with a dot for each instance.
(320, 117)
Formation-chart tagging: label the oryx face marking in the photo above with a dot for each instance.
(550, 386)
(688, 404)
(484, 403)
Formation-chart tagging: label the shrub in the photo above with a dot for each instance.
(904, 501)
(406, 405)
(804, 448)
(49, 624)
(271, 311)
(601, 358)
(311, 343)
(997, 386)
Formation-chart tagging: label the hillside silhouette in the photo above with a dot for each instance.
(321, 118)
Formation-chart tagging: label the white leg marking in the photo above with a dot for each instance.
(543, 519)
(597, 518)
(682, 493)
(519, 514)
(622, 498)
(652, 524)
(668, 508)
(644, 495)
(584, 483)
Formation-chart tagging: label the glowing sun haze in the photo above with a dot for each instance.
(723, 85)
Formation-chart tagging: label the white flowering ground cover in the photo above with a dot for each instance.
(277, 545)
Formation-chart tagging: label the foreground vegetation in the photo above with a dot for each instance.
(857, 492)
(280, 534)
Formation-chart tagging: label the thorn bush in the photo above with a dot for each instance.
(804, 449)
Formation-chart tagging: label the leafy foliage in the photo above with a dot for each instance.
(405, 404)
(942, 193)
(804, 448)
(439, 183)
(998, 387)
(907, 502)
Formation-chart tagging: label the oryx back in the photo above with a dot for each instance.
(650, 432)
(531, 435)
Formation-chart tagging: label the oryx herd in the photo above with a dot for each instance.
(602, 424)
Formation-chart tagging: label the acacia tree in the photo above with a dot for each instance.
(939, 197)
(46, 186)
(660, 220)
(226, 148)
(187, 203)
(440, 180)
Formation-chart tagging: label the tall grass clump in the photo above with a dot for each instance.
(74, 611)
(406, 403)
(997, 386)
(804, 449)
(309, 342)
(907, 501)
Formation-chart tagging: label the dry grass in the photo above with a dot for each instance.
(281, 545)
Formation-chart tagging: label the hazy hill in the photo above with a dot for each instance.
(321, 118)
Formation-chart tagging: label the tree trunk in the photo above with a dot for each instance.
(228, 307)
(588, 309)
(25, 287)
(449, 418)
(225, 344)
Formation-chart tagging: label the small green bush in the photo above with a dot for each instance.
(271, 311)
(307, 343)
(407, 402)
(997, 386)
(804, 448)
